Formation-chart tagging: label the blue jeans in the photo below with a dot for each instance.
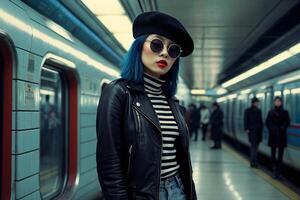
(172, 189)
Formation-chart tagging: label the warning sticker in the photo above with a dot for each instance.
(29, 95)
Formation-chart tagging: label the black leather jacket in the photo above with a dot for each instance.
(130, 144)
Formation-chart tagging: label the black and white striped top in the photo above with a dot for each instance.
(168, 125)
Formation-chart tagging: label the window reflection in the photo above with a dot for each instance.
(52, 134)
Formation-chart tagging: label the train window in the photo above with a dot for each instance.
(297, 109)
(53, 147)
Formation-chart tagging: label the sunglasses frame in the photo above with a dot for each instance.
(168, 47)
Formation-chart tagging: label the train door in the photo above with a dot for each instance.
(6, 68)
(53, 146)
(233, 117)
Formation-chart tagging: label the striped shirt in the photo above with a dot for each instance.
(168, 125)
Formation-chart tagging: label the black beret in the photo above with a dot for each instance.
(164, 25)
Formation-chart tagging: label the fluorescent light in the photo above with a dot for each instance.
(277, 93)
(221, 91)
(101, 7)
(116, 23)
(221, 99)
(246, 91)
(113, 16)
(263, 66)
(295, 49)
(46, 92)
(260, 95)
(295, 91)
(289, 79)
(198, 91)
(232, 96)
(286, 91)
(125, 39)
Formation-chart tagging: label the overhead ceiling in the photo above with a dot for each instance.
(222, 31)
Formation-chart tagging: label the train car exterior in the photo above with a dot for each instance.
(287, 87)
(50, 84)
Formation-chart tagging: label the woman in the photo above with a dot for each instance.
(204, 120)
(277, 121)
(143, 149)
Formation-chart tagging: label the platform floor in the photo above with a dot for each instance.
(225, 175)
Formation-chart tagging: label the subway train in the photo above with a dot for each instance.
(234, 104)
(50, 87)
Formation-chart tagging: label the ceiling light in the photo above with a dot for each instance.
(197, 91)
(246, 91)
(101, 7)
(295, 91)
(113, 16)
(116, 23)
(289, 79)
(265, 65)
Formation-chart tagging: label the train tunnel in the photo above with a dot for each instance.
(86, 113)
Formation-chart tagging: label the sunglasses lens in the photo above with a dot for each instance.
(174, 51)
(156, 46)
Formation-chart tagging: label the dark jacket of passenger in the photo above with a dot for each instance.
(216, 121)
(195, 120)
(129, 144)
(277, 121)
(254, 123)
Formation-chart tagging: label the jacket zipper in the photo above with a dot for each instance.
(161, 146)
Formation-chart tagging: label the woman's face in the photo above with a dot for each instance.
(157, 64)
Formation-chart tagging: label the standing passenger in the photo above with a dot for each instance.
(204, 120)
(142, 147)
(195, 121)
(216, 121)
(278, 121)
(253, 125)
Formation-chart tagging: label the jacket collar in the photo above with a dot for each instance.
(139, 87)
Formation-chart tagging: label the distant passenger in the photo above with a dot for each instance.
(253, 125)
(278, 121)
(195, 121)
(204, 120)
(142, 147)
(216, 122)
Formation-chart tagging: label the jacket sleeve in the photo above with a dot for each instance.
(287, 119)
(268, 120)
(246, 126)
(109, 143)
(261, 121)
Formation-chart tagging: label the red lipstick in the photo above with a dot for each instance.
(162, 63)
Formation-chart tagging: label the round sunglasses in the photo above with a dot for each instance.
(156, 45)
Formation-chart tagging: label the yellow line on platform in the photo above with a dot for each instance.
(275, 183)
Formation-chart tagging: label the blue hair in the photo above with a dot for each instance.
(132, 68)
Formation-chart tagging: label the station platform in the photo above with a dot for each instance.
(224, 174)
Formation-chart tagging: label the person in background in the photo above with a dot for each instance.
(253, 125)
(195, 121)
(204, 115)
(216, 122)
(277, 121)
